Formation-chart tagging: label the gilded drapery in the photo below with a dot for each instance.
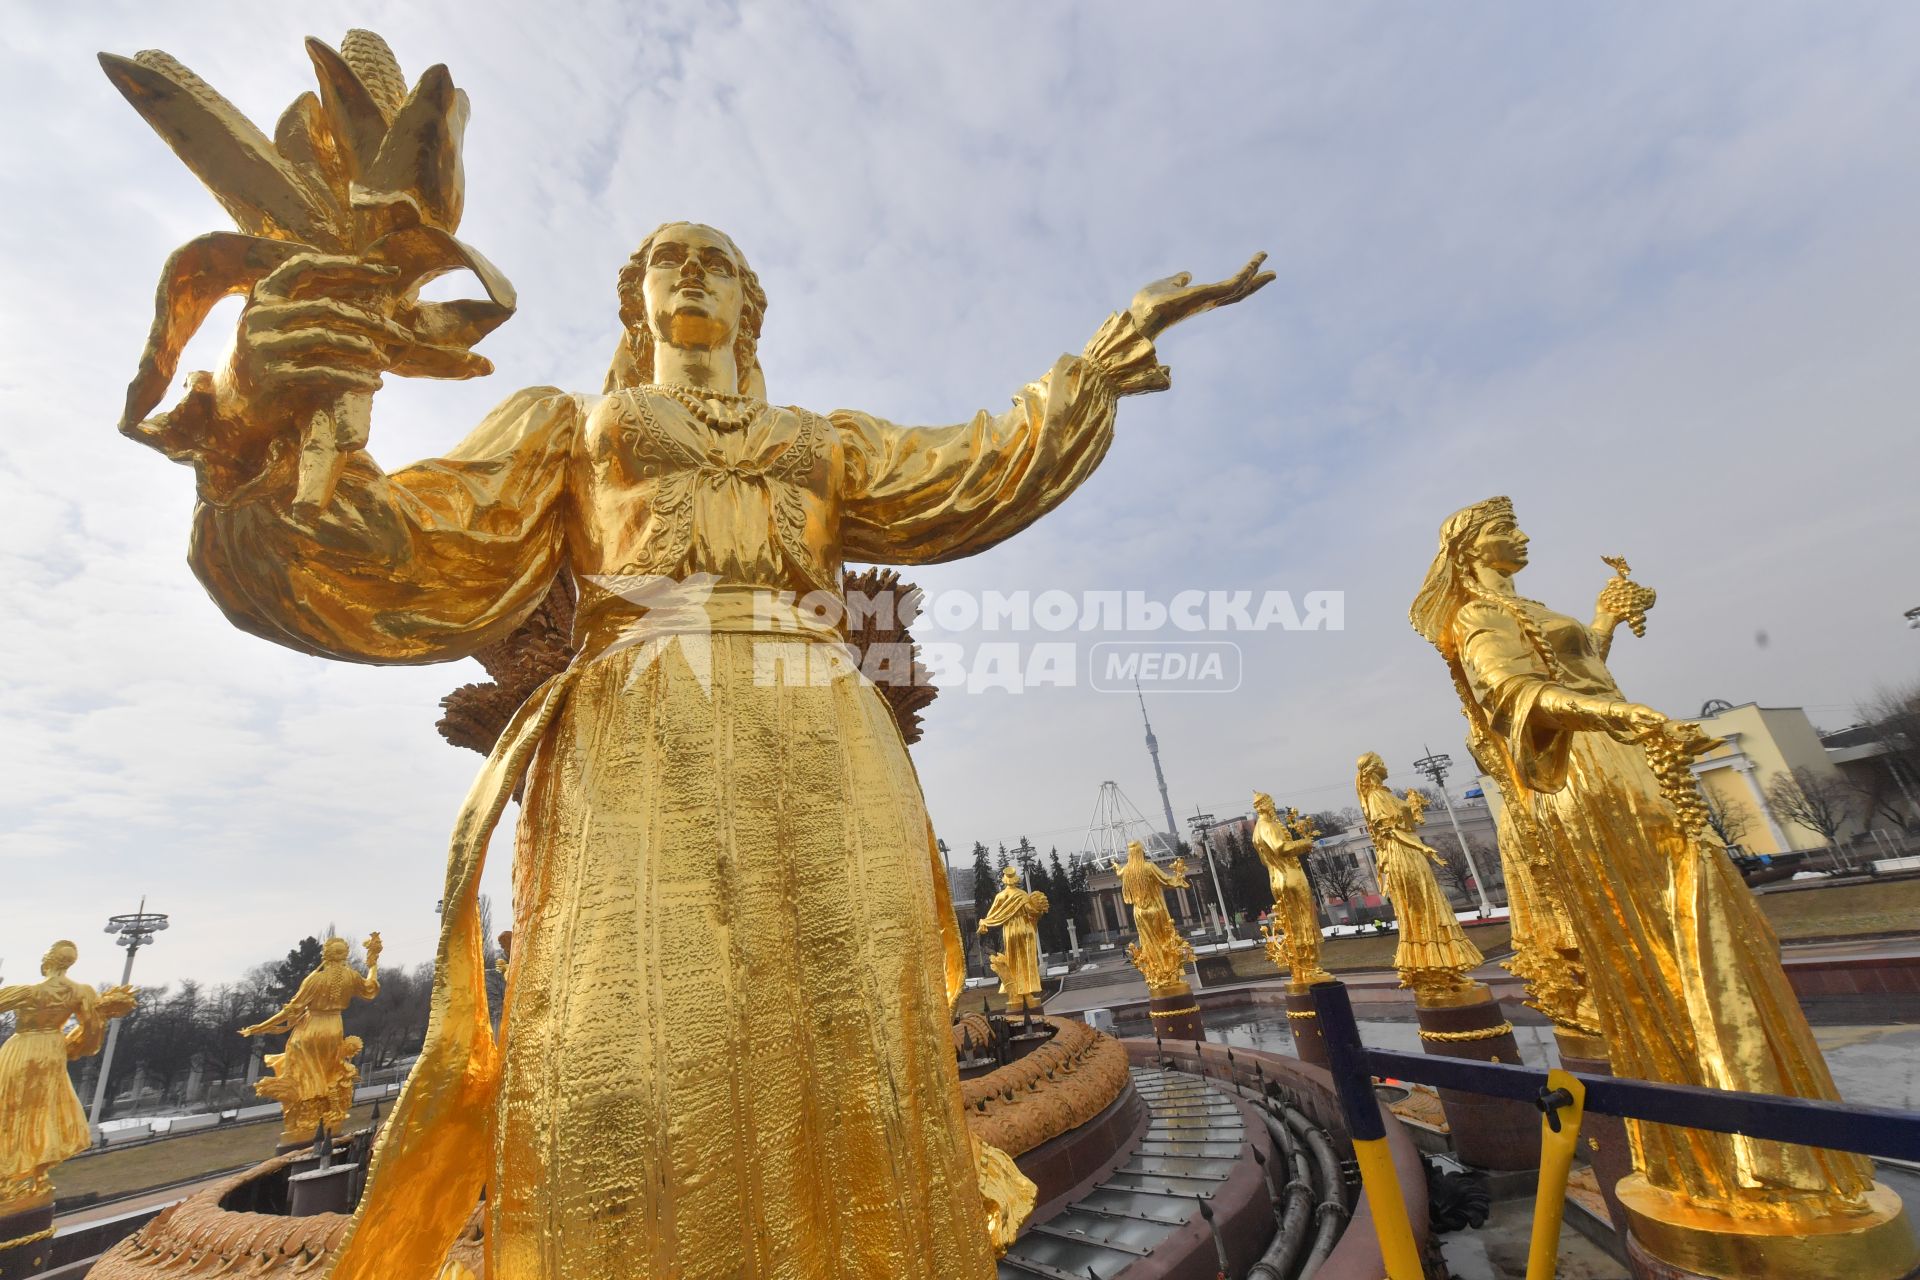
(1692, 991)
(729, 993)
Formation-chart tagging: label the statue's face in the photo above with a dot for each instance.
(692, 288)
(1501, 545)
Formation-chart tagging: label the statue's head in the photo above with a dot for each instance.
(1010, 876)
(1263, 805)
(334, 951)
(1136, 852)
(1482, 535)
(60, 957)
(1370, 769)
(688, 285)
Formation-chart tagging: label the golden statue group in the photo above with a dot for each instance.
(725, 1046)
(41, 1122)
(314, 1075)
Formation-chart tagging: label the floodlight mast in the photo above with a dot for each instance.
(133, 932)
(1436, 767)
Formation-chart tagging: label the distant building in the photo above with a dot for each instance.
(1761, 744)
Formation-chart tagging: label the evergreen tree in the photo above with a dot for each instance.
(291, 972)
(984, 884)
(1000, 862)
(1059, 891)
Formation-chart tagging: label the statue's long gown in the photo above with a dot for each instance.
(725, 1048)
(309, 1066)
(1691, 990)
(1431, 938)
(41, 1121)
(1014, 912)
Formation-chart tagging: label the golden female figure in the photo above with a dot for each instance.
(313, 1075)
(1684, 970)
(1434, 956)
(1161, 954)
(724, 1050)
(41, 1121)
(1293, 934)
(1015, 913)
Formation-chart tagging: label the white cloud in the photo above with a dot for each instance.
(1649, 271)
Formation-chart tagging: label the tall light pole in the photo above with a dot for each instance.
(1435, 767)
(135, 931)
(1202, 824)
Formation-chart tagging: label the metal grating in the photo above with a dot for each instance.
(1194, 1138)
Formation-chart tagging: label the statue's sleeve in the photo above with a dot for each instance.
(424, 564)
(1507, 677)
(12, 998)
(89, 1029)
(918, 495)
(1002, 910)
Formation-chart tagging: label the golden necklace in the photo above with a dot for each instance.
(718, 409)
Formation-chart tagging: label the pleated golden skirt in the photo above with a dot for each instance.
(725, 1045)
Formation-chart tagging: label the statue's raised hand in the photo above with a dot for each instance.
(1165, 303)
(314, 330)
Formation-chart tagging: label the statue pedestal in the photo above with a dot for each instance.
(1603, 1139)
(1175, 1013)
(1308, 1044)
(1489, 1133)
(26, 1237)
(1672, 1241)
(321, 1191)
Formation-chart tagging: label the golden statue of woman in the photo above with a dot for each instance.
(1016, 912)
(1434, 956)
(313, 1074)
(1293, 932)
(1684, 969)
(725, 1037)
(1161, 954)
(41, 1120)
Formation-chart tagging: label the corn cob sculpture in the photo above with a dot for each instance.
(365, 168)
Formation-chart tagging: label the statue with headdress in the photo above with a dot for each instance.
(1160, 953)
(1292, 932)
(55, 1021)
(1434, 955)
(731, 918)
(313, 1075)
(1683, 969)
(1016, 913)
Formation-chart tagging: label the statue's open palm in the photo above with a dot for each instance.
(1165, 303)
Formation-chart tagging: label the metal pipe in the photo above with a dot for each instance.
(1331, 1212)
(1283, 1251)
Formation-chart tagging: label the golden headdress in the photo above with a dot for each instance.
(1442, 594)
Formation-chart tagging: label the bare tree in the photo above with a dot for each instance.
(1455, 873)
(1338, 875)
(1820, 803)
(1731, 818)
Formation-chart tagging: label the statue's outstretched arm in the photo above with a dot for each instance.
(917, 495)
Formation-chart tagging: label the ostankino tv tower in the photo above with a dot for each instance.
(1153, 749)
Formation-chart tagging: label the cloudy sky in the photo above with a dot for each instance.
(1651, 271)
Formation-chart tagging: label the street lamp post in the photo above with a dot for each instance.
(1435, 767)
(135, 931)
(1202, 824)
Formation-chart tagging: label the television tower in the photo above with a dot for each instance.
(1153, 749)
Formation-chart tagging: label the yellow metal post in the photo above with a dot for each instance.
(1559, 1132)
(1390, 1224)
